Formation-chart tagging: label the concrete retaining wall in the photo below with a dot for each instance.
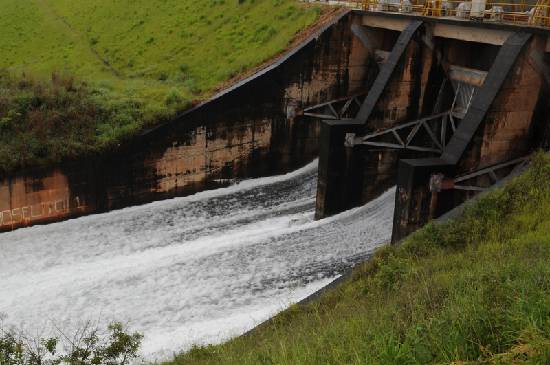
(248, 130)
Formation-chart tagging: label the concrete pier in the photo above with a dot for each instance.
(455, 107)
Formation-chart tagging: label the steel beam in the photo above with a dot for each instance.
(398, 142)
(491, 172)
(337, 109)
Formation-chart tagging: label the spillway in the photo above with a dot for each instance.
(190, 270)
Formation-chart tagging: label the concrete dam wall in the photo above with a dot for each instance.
(455, 106)
(252, 129)
(442, 108)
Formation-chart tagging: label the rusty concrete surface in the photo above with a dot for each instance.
(254, 128)
(248, 130)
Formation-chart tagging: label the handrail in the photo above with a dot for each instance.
(509, 11)
(518, 12)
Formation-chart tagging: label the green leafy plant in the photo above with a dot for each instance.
(88, 346)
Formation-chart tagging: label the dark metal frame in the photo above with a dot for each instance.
(491, 172)
(440, 141)
(330, 110)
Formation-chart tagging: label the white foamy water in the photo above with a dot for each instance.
(190, 270)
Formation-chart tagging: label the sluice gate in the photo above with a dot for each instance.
(452, 108)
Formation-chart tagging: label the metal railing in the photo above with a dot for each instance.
(520, 12)
(356, 4)
(514, 12)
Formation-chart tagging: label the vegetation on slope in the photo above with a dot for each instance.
(44, 122)
(157, 56)
(475, 290)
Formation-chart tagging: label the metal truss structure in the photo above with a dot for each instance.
(338, 109)
(438, 127)
(494, 173)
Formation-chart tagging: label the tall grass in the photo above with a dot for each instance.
(475, 290)
(148, 47)
(142, 61)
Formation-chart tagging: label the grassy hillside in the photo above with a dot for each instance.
(156, 55)
(475, 290)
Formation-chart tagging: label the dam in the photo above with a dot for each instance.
(411, 111)
(439, 104)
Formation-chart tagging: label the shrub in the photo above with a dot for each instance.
(43, 122)
(88, 346)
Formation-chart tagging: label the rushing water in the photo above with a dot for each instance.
(197, 269)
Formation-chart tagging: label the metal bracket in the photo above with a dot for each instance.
(494, 173)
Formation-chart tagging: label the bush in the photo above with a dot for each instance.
(44, 122)
(88, 346)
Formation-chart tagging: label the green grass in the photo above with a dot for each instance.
(162, 55)
(475, 290)
(42, 123)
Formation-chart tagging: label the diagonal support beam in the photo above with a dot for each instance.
(493, 172)
(387, 71)
(361, 33)
(480, 104)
